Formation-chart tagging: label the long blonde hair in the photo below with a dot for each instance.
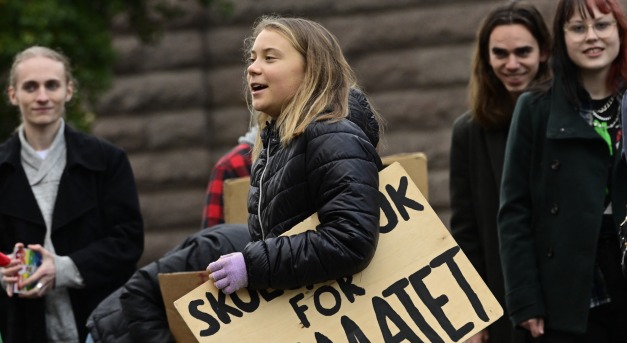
(41, 51)
(328, 78)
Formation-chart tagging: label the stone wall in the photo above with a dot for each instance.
(177, 106)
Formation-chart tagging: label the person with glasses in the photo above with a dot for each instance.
(511, 53)
(564, 185)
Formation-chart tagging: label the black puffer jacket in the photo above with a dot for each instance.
(135, 312)
(331, 169)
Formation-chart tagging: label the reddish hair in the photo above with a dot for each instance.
(564, 67)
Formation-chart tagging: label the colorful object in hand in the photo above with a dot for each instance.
(31, 260)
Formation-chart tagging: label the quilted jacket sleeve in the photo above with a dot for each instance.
(141, 299)
(341, 167)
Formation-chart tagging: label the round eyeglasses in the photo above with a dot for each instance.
(579, 31)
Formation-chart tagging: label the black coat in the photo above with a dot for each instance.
(136, 312)
(331, 169)
(476, 164)
(96, 222)
(556, 172)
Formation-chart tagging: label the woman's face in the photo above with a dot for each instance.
(275, 72)
(515, 56)
(40, 91)
(592, 43)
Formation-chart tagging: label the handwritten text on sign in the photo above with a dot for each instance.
(420, 287)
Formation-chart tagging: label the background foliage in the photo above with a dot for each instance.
(81, 30)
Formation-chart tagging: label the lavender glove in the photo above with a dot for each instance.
(229, 272)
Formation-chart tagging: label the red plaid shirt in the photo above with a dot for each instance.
(236, 163)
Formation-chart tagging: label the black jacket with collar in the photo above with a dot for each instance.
(96, 222)
(555, 177)
(332, 170)
(476, 165)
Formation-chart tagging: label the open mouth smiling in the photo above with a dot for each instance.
(257, 87)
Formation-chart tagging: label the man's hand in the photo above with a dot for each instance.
(480, 337)
(535, 326)
(43, 279)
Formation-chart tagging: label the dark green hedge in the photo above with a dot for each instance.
(81, 30)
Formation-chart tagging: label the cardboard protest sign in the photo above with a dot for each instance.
(419, 287)
(235, 199)
(235, 192)
(415, 164)
(173, 286)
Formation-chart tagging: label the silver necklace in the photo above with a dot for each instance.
(597, 113)
(608, 126)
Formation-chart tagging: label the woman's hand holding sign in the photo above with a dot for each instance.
(229, 272)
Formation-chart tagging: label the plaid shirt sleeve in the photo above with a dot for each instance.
(236, 163)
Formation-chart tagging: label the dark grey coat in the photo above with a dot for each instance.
(552, 200)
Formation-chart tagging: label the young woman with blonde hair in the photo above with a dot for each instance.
(315, 154)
